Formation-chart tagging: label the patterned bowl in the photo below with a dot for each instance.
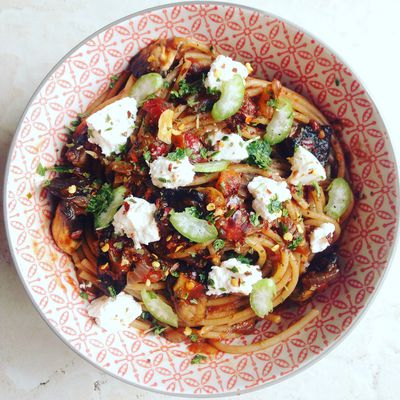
(275, 48)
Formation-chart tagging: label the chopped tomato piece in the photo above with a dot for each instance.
(234, 228)
(154, 276)
(154, 108)
(228, 183)
(158, 148)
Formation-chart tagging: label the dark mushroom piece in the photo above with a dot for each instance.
(67, 228)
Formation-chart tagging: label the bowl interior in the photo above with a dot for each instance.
(275, 49)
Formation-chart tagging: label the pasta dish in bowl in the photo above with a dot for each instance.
(196, 199)
(219, 212)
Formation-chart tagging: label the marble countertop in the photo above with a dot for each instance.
(34, 363)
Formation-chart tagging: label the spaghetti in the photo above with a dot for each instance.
(234, 130)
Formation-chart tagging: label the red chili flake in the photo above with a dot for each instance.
(126, 206)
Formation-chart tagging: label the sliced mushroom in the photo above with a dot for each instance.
(190, 300)
(67, 228)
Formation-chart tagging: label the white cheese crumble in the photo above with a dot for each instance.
(319, 238)
(114, 313)
(222, 69)
(232, 276)
(171, 174)
(268, 195)
(229, 147)
(111, 126)
(135, 219)
(306, 168)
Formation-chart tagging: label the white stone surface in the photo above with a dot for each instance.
(34, 363)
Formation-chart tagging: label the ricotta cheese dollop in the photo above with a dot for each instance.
(170, 174)
(232, 276)
(114, 313)
(319, 237)
(306, 168)
(222, 69)
(111, 126)
(135, 219)
(229, 147)
(268, 196)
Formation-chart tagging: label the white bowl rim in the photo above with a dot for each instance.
(302, 367)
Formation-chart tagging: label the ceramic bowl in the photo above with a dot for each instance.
(276, 48)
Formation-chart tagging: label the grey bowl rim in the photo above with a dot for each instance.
(302, 367)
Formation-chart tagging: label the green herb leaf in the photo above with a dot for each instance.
(175, 274)
(41, 170)
(147, 155)
(218, 244)
(193, 337)
(211, 283)
(299, 190)
(234, 269)
(113, 80)
(272, 103)
(202, 277)
(259, 153)
(178, 154)
(193, 211)
(159, 329)
(243, 259)
(112, 291)
(254, 219)
(84, 295)
(275, 205)
(101, 200)
(184, 89)
(146, 315)
(198, 359)
(295, 243)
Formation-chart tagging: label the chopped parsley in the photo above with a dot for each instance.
(101, 200)
(299, 189)
(243, 259)
(166, 84)
(147, 155)
(295, 243)
(285, 212)
(211, 283)
(41, 170)
(84, 295)
(283, 227)
(273, 103)
(118, 245)
(184, 89)
(163, 180)
(146, 315)
(275, 205)
(234, 269)
(218, 244)
(212, 91)
(158, 328)
(198, 359)
(254, 219)
(193, 211)
(123, 148)
(112, 291)
(203, 152)
(178, 154)
(193, 337)
(113, 80)
(202, 277)
(259, 153)
(192, 101)
(175, 274)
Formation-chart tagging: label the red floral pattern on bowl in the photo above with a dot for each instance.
(275, 49)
